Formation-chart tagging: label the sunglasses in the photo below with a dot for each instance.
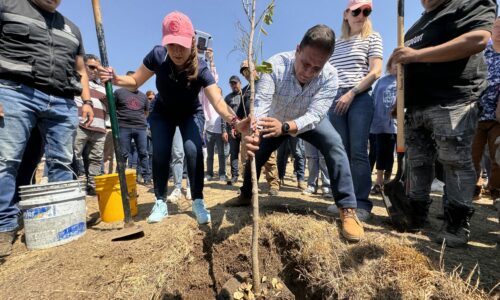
(92, 67)
(356, 12)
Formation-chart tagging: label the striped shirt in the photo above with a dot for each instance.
(351, 58)
(279, 94)
(99, 101)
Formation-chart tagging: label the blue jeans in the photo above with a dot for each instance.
(140, 137)
(354, 128)
(316, 164)
(177, 162)
(163, 131)
(327, 140)
(215, 139)
(234, 149)
(296, 146)
(56, 118)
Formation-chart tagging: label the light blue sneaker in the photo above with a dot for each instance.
(159, 212)
(201, 213)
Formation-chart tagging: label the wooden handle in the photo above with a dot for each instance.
(400, 142)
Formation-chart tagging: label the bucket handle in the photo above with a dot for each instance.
(60, 163)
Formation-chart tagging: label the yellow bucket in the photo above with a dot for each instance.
(109, 196)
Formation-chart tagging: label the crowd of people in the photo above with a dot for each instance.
(324, 104)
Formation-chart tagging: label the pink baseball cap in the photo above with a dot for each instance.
(355, 4)
(177, 29)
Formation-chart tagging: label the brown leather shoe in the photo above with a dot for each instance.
(6, 240)
(352, 229)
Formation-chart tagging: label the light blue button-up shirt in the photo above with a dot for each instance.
(279, 94)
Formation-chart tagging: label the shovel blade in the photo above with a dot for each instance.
(128, 233)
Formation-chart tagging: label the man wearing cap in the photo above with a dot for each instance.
(41, 71)
(234, 100)
(293, 100)
(445, 75)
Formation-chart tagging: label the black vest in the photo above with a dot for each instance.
(39, 49)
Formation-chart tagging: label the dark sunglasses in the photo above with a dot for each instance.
(92, 67)
(356, 12)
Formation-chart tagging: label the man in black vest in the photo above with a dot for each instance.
(41, 71)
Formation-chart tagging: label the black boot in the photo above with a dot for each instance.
(417, 216)
(455, 231)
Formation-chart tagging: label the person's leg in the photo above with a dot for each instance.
(210, 153)
(177, 163)
(372, 154)
(453, 129)
(478, 145)
(221, 153)
(421, 154)
(109, 152)
(96, 147)
(359, 118)
(234, 144)
(313, 166)
(162, 131)
(21, 107)
(494, 179)
(385, 154)
(31, 158)
(125, 145)
(192, 130)
(282, 158)
(58, 123)
(271, 173)
(141, 141)
(299, 161)
(81, 140)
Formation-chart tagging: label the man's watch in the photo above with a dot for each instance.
(285, 127)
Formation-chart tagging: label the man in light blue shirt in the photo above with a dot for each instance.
(293, 101)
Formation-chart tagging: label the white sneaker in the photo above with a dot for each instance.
(174, 196)
(188, 194)
(333, 209)
(327, 193)
(437, 186)
(310, 190)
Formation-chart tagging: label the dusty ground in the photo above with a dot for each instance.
(177, 259)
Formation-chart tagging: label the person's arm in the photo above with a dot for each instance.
(215, 98)
(87, 111)
(131, 82)
(461, 47)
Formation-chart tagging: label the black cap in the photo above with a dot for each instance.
(234, 78)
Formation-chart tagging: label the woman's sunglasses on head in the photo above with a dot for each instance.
(366, 12)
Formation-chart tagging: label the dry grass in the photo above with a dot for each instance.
(380, 267)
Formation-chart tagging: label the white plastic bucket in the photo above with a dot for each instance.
(53, 213)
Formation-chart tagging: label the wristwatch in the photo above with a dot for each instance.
(285, 127)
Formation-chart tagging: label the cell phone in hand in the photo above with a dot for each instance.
(203, 42)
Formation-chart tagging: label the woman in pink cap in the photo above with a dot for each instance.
(358, 60)
(180, 75)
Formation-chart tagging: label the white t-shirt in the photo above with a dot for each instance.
(351, 58)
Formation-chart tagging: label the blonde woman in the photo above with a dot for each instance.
(358, 60)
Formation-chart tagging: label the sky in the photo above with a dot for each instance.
(133, 27)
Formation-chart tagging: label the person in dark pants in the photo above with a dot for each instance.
(42, 70)
(234, 100)
(296, 147)
(180, 75)
(445, 74)
(293, 100)
(132, 108)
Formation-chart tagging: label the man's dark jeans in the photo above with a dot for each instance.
(140, 136)
(328, 141)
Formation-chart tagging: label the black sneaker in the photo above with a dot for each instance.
(91, 191)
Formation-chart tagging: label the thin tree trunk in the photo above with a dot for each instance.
(255, 188)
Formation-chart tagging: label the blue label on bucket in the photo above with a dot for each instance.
(71, 231)
(36, 213)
